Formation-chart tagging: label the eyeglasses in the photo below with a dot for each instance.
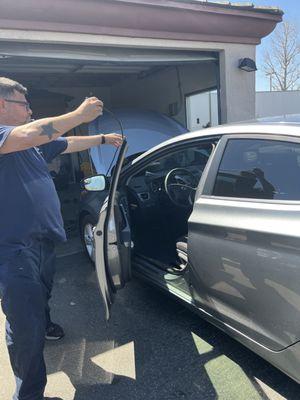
(24, 103)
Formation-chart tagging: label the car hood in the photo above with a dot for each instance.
(143, 130)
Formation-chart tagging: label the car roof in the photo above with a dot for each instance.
(270, 125)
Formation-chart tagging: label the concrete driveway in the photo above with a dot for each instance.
(152, 349)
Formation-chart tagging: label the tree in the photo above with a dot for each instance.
(282, 62)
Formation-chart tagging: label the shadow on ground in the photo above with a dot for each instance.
(151, 349)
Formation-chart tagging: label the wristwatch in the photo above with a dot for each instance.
(103, 139)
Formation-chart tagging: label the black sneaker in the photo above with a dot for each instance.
(53, 398)
(54, 332)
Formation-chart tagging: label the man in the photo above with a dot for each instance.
(31, 224)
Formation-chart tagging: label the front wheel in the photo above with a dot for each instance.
(87, 227)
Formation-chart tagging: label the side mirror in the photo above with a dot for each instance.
(95, 183)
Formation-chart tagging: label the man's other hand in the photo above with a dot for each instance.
(90, 109)
(114, 139)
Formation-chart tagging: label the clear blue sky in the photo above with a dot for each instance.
(291, 10)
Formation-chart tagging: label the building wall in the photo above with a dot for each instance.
(269, 104)
(237, 92)
(237, 87)
(161, 90)
(80, 93)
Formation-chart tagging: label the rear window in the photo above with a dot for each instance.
(259, 169)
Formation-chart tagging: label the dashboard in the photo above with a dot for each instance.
(148, 188)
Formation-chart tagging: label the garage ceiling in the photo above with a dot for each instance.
(50, 65)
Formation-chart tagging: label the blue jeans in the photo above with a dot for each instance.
(26, 281)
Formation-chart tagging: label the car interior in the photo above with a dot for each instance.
(160, 199)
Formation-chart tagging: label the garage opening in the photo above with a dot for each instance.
(202, 109)
(59, 77)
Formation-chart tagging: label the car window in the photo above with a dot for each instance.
(261, 169)
(189, 157)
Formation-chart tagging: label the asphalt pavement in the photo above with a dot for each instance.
(152, 349)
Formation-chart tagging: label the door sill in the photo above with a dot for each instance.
(155, 271)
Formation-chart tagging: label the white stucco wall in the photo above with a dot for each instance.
(237, 87)
(277, 103)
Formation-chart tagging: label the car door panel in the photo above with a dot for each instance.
(119, 243)
(113, 240)
(245, 265)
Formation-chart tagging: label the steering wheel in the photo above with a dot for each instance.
(180, 185)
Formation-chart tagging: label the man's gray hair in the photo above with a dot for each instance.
(8, 86)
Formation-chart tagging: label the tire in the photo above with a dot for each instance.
(87, 225)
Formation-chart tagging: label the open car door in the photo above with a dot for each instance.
(113, 240)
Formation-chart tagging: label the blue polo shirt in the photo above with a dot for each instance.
(29, 205)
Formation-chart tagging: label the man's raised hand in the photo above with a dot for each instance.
(90, 109)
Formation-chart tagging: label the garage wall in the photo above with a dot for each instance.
(160, 89)
(157, 91)
(79, 94)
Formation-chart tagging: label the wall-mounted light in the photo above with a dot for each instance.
(247, 64)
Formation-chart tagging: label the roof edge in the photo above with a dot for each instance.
(188, 20)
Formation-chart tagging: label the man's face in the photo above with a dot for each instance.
(14, 113)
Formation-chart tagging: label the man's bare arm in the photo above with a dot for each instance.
(45, 130)
(79, 143)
